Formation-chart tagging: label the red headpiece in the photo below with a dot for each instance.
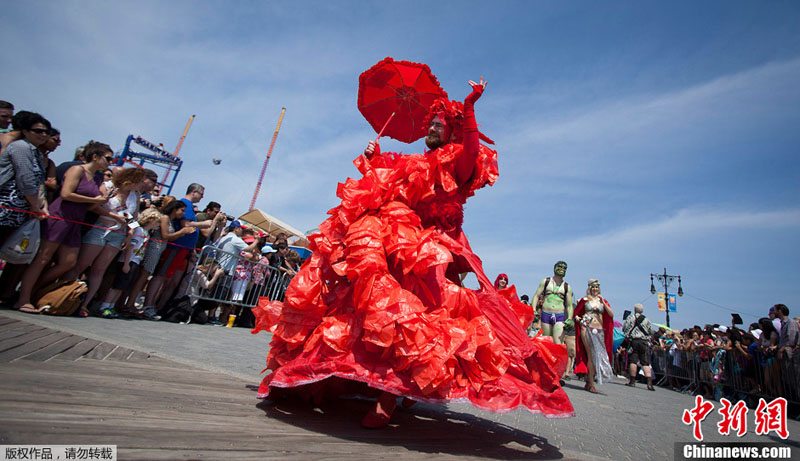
(451, 113)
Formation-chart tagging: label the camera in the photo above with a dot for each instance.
(229, 218)
(157, 202)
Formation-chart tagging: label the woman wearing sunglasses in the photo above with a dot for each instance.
(22, 173)
(62, 232)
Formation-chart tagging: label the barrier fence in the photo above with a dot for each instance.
(221, 277)
(731, 374)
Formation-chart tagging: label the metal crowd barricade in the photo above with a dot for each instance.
(732, 375)
(679, 370)
(214, 279)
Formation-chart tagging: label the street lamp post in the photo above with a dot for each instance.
(666, 279)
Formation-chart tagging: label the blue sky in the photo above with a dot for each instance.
(631, 136)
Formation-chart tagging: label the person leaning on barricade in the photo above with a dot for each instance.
(275, 285)
(231, 246)
(211, 233)
(206, 275)
(22, 173)
(61, 232)
(184, 258)
(158, 259)
(768, 353)
(101, 245)
(26, 155)
(128, 265)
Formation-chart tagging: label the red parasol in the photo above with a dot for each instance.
(394, 97)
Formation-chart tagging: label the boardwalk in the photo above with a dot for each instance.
(166, 391)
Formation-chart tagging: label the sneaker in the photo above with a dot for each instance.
(214, 321)
(150, 313)
(109, 314)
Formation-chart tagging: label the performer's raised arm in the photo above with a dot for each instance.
(466, 163)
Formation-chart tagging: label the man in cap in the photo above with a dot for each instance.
(638, 328)
(231, 246)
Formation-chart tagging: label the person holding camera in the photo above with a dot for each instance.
(104, 241)
(212, 233)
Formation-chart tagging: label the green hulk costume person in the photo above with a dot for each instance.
(553, 301)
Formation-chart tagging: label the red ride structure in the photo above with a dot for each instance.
(269, 153)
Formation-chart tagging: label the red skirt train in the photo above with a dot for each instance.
(379, 302)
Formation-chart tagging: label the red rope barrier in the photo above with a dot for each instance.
(93, 225)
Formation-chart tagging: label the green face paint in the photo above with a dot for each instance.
(560, 270)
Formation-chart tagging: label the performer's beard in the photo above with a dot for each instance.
(433, 141)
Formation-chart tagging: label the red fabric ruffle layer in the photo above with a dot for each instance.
(379, 301)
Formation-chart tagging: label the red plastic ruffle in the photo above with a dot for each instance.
(376, 303)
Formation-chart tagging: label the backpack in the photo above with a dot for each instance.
(60, 298)
(177, 310)
(544, 293)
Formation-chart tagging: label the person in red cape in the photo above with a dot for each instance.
(379, 310)
(523, 311)
(594, 325)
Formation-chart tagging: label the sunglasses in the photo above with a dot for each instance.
(39, 130)
(109, 159)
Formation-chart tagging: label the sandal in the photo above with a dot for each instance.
(30, 309)
(82, 312)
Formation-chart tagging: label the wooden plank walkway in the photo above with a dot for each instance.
(58, 388)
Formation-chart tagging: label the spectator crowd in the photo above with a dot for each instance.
(730, 361)
(139, 255)
(103, 226)
(715, 360)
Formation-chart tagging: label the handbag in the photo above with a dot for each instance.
(61, 298)
(22, 245)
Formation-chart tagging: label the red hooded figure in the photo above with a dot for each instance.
(379, 305)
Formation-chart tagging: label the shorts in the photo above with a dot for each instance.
(172, 260)
(102, 237)
(123, 281)
(640, 352)
(551, 319)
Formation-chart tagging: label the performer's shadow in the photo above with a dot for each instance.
(421, 428)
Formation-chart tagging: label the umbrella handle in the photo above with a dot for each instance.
(380, 133)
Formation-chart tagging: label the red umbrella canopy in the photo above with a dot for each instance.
(404, 88)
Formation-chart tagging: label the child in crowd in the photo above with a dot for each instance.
(243, 273)
(203, 283)
(127, 267)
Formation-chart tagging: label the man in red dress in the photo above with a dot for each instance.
(379, 307)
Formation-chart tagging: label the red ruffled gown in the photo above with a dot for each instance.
(379, 303)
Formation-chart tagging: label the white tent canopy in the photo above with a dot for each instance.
(273, 225)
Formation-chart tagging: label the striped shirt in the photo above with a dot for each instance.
(26, 162)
